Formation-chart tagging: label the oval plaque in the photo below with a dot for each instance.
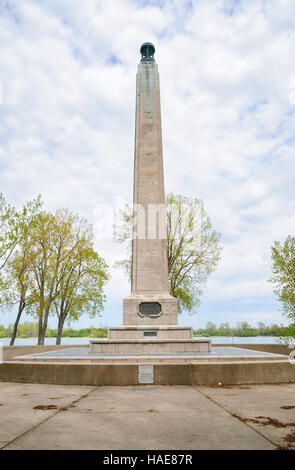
(150, 309)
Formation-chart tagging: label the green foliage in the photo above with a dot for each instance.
(98, 333)
(8, 230)
(69, 275)
(20, 264)
(243, 329)
(193, 248)
(283, 277)
(48, 266)
(82, 273)
(30, 330)
(8, 241)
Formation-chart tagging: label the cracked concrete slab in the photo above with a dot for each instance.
(17, 413)
(151, 417)
(269, 408)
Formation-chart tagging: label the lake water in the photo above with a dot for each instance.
(215, 339)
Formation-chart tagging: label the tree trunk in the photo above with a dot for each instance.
(44, 326)
(41, 338)
(41, 315)
(40, 331)
(15, 327)
(60, 330)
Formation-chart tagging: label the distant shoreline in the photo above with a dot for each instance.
(74, 341)
(105, 336)
(30, 330)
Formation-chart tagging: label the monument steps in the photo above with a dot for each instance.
(150, 346)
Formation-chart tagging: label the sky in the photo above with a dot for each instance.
(227, 78)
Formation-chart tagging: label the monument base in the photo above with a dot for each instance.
(136, 310)
(146, 339)
(150, 327)
(148, 346)
(150, 331)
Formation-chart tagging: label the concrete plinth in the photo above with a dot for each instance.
(168, 310)
(151, 339)
(85, 373)
(154, 331)
(150, 346)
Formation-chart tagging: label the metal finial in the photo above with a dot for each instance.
(147, 51)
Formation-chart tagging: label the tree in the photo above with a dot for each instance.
(53, 243)
(244, 326)
(211, 328)
(283, 277)
(64, 255)
(48, 266)
(81, 287)
(44, 270)
(261, 327)
(8, 231)
(224, 329)
(8, 238)
(193, 248)
(20, 265)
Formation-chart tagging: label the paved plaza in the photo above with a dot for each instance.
(216, 352)
(38, 416)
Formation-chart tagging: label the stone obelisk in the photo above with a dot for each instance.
(150, 301)
(150, 313)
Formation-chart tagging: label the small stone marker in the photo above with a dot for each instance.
(146, 374)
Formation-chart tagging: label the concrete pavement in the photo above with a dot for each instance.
(38, 416)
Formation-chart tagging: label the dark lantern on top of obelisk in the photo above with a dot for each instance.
(147, 51)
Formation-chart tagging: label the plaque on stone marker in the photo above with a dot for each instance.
(146, 374)
(150, 334)
(150, 309)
